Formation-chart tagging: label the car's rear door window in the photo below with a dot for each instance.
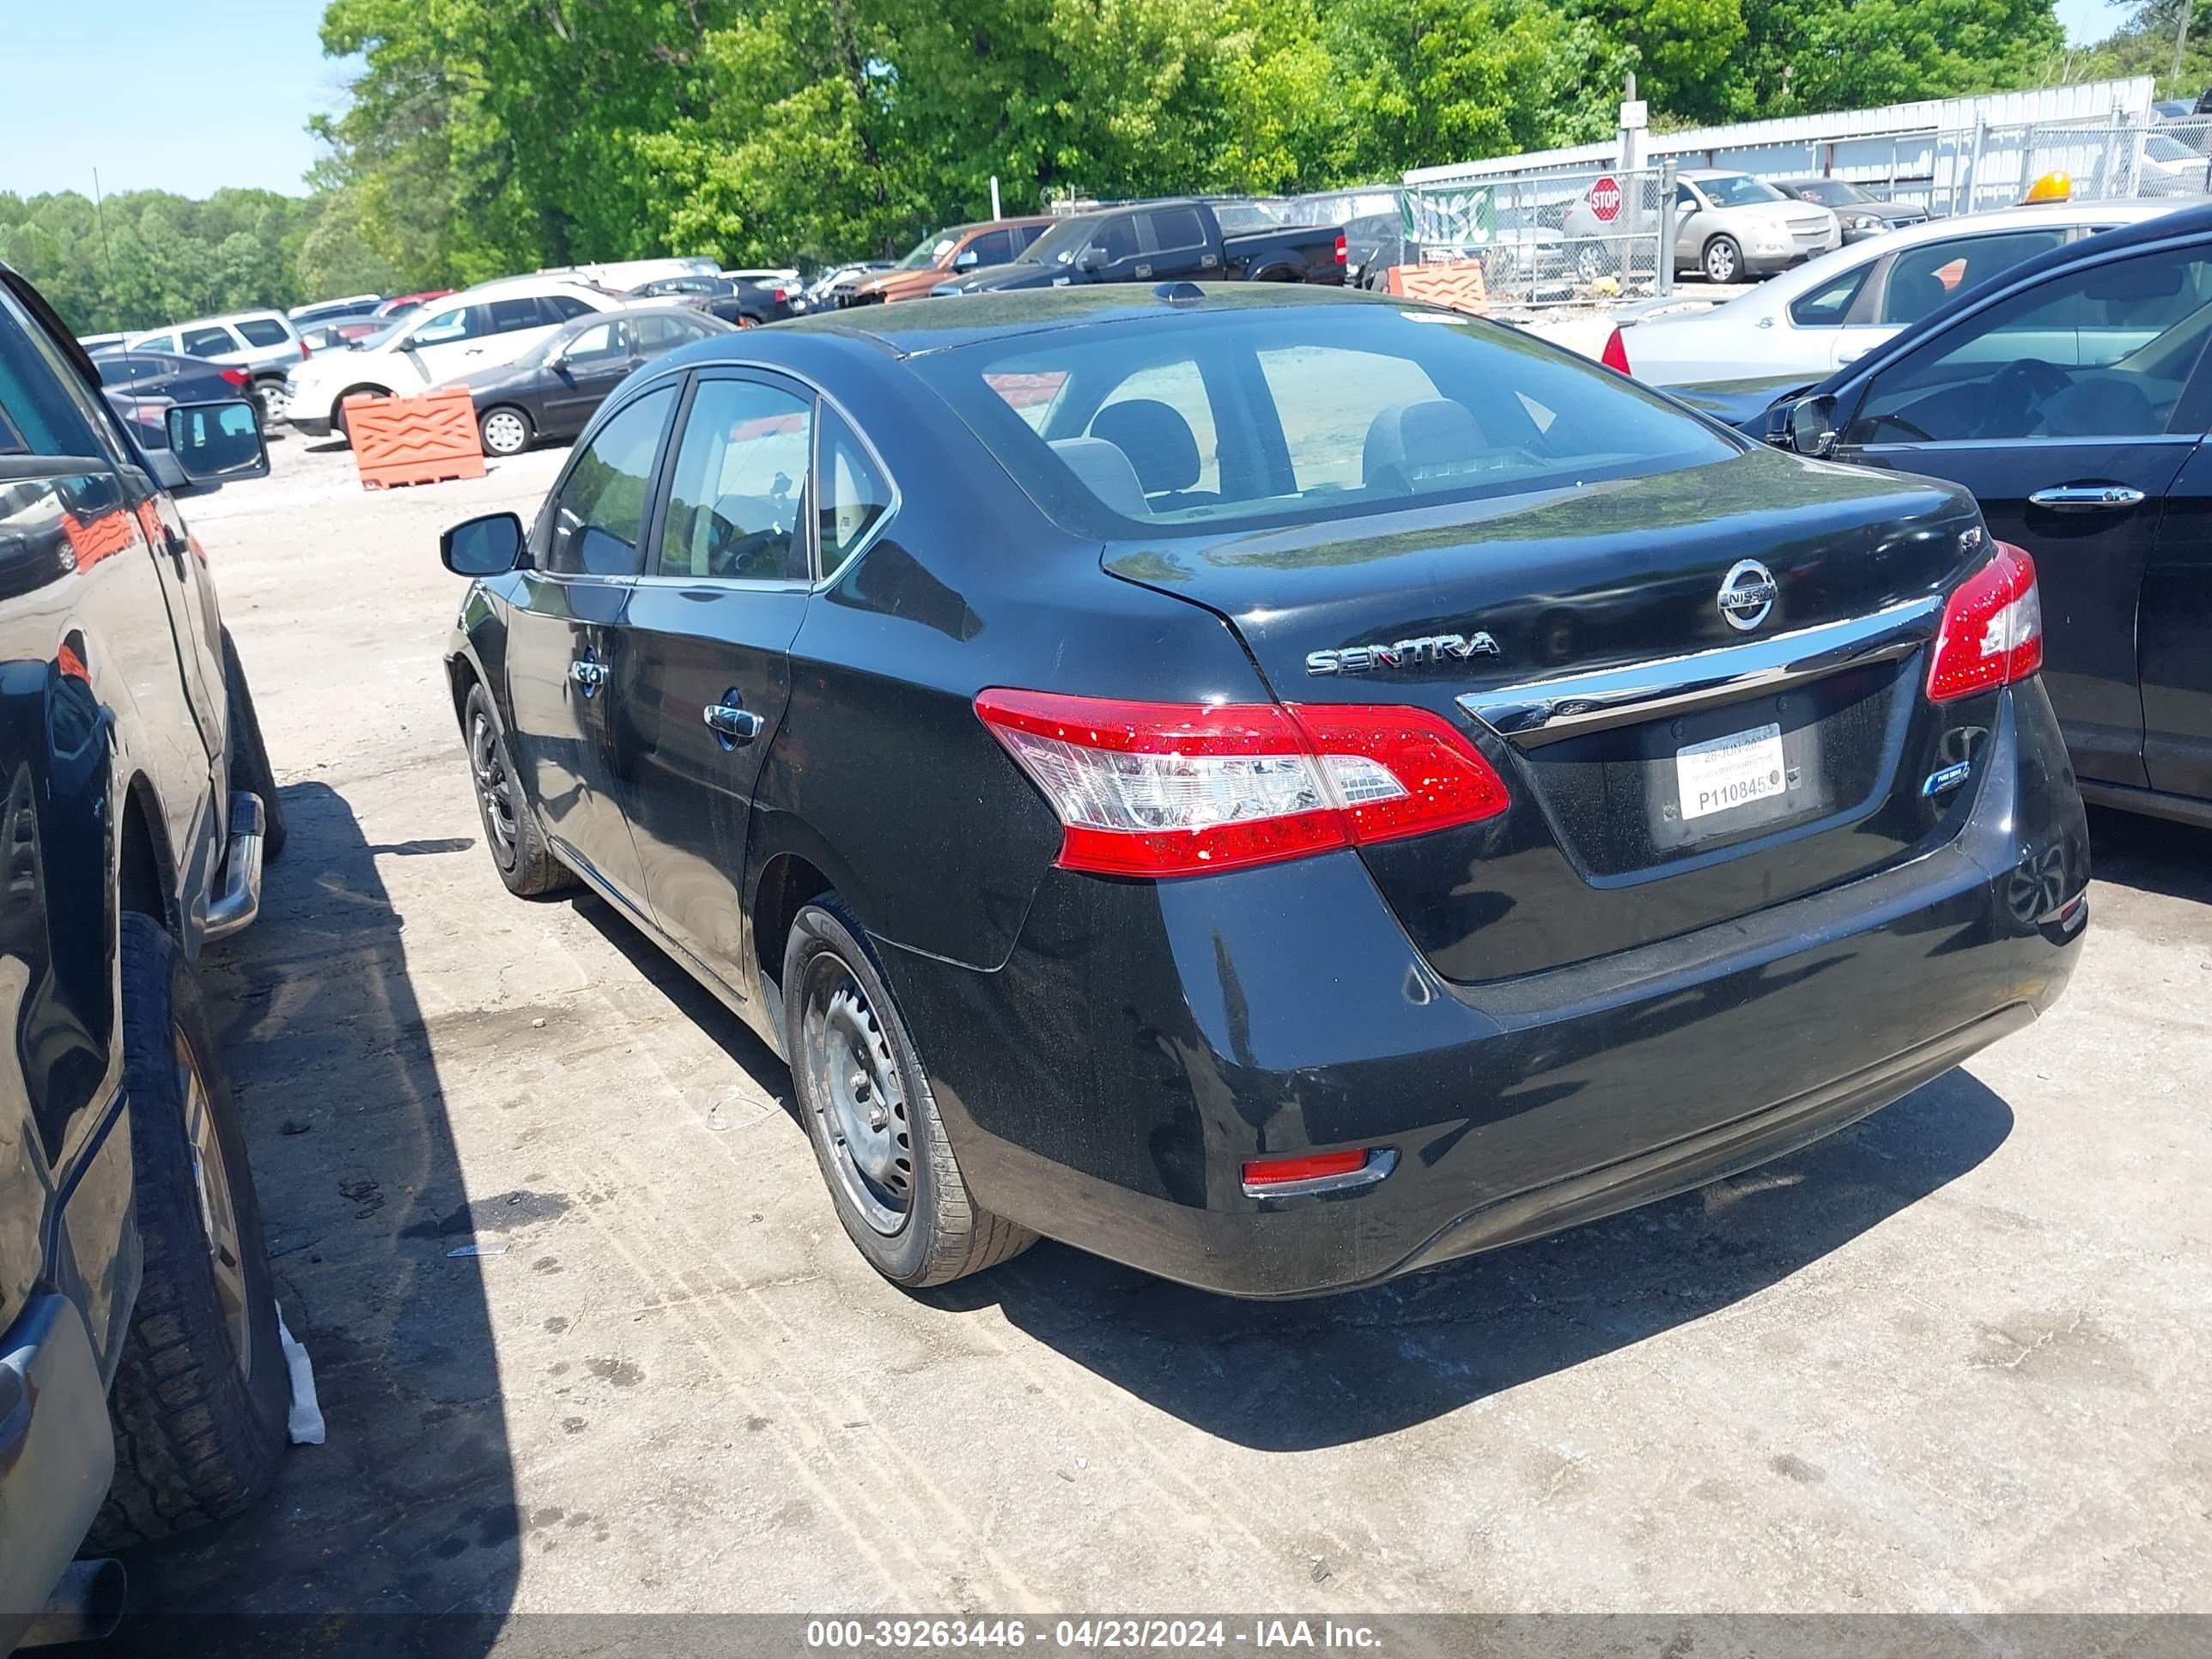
(598, 518)
(510, 316)
(1921, 278)
(855, 495)
(737, 499)
(265, 331)
(208, 341)
(566, 307)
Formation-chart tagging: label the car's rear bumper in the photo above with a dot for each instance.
(57, 1454)
(1106, 1084)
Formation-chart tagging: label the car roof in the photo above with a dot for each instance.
(916, 326)
(208, 322)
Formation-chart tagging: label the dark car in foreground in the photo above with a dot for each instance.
(1155, 241)
(2071, 395)
(142, 1384)
(555, 389)
(1278, 787)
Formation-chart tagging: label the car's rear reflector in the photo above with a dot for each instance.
(1305, 1166)
(1992, 632)
(1615, 354)
(1187, 789)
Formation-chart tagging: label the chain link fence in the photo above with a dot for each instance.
(1560, 237)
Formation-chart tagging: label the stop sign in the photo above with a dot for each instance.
(1604, 199)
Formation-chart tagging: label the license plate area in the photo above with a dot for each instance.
(1728, 773)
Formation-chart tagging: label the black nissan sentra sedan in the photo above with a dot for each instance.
(1276, 787)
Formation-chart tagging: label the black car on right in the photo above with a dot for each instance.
(558, 385)
(2071, 395)
(1862, 216)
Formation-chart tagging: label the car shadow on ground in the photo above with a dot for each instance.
(2150, 855)
(1297, 1375)
(409, 1506)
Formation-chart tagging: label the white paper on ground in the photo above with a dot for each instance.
(305, 1422)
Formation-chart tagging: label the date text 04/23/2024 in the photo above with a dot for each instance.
(1087, 1634)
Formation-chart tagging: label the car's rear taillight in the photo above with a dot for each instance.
(1615, 354)
(237, 377)
(1185, 789)
(1992, 632)
(304, 353)
(1340, 247)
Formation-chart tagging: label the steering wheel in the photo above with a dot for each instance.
(2025, 383)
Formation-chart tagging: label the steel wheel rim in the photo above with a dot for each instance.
(504, 433)
(857, 1094)
(495, 783)
(218, 1212)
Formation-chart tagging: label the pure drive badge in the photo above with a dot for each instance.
(1406, 654)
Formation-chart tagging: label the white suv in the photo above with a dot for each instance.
(478, 328)
(263, 343)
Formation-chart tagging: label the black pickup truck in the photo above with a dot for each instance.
(1165, 241)
(143, 1386)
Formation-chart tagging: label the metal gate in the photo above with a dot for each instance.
(1561, 237)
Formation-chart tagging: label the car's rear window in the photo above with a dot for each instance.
(1186, 424)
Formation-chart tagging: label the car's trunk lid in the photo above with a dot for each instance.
(1577, 635)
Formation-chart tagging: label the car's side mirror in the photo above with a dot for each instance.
(215, 443)
(489, 546)
(967, 259)
(1091, 261)
(1812, 425)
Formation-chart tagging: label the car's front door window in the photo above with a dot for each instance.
(598, 520)
(2101, 352)
(736, 503)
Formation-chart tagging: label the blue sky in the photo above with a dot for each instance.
(187, 95)
(191, 96)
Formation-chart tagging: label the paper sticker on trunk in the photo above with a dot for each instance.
(1735, 770)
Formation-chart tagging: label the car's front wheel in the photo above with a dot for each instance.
(504, 431)
(1723, 261)
(517, 845)
(202, 1390)
(869, 1112)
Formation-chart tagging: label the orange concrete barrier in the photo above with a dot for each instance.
(1457, 285)
(411, 441)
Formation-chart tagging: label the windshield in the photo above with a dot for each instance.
(926, 252)
(1828, 192)
(1240, 418)
(2164, 147)
(1737, 190)
(1060, 244)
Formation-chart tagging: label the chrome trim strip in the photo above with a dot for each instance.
(1380, 1162)
(1545, 711)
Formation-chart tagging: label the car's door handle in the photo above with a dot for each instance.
(588, 674)
(1842, 357)
(2086, 498)
(736, 725)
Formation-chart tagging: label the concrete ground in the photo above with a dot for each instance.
(1954, 1359)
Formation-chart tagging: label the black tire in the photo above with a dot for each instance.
(1721, 251)
(249, 756)
(515, 842)
(495, 430)
(198, 1437)
(943, 1234)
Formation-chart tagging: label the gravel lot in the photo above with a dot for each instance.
(1955, 1360)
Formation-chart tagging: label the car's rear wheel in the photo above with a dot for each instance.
(202, 1390)
(517, 845)
(274, 399)
(1590, 263)
(1723, 261)
(504, 431)
(869, 1112)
